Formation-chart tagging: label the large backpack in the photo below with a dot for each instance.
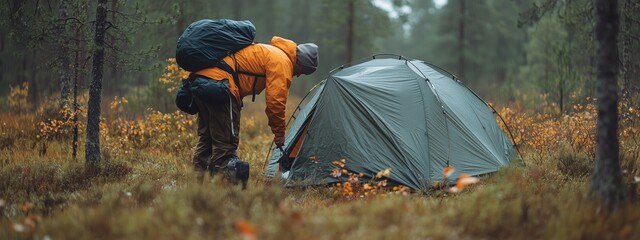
(206, 42)
(203, 45)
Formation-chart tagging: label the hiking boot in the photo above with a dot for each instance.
(213, 170)
(238, 171)
(199, 176)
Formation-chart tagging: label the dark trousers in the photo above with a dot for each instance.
(218, 135)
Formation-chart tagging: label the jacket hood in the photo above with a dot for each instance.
(287, 46)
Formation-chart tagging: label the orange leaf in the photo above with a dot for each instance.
(246, 229)
(446, 173)
(30, 222)
(463, 181)
(25, 207)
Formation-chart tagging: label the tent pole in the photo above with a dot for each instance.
(444, 112)
(266, 160)
(513, 140)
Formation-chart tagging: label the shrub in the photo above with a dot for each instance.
(572, 163)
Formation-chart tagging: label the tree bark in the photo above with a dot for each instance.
(34, 88)
(2, 42)
(114, 76)
(76, 73)
(606, 186)
(461, 40)
(350, 29)
(65, 61)
(92, 146)
(626, 51)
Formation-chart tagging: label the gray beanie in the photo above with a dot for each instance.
(307, 57)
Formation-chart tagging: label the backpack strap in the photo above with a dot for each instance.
(255, 80)
(236, 78)
(224, 66)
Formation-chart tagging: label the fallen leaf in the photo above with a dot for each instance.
(296, 216)
(336, 173)
(246, 229)
(338, 163)
(386, 172)
(30, 222)
(446, 173)
(636, 179)
(25, 207)
(463, 181)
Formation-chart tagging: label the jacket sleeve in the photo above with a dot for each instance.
(279, 72)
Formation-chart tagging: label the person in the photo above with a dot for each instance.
(259, 67)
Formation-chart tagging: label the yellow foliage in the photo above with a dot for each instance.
(55, 128)
(160, 130)
(542, 132)
(173, 75)
(351, 187)
(18, 98)
(117, 105)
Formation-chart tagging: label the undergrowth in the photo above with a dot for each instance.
(145, 187)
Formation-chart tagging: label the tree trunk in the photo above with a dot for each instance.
(76, 73)
(350, 29)
(92, 147)
(115, 86)
(606, 185)
(65, 61)
(461, 40)
(32, 80)
(74, 143)
(626, 51)
(181, 25)
(561, 97)
(2, 42)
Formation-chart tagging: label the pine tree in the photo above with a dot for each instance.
(92, 146)
(606, 185)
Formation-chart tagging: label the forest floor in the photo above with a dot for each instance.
(145, 188)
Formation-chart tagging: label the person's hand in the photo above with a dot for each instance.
(279, 140)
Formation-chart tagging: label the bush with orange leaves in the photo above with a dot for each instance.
(542, 132)
(56, 123)
(629, 127)
(168, 131)
(59, 127)
(550, 133)
(351, 186)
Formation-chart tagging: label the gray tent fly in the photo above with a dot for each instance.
(398, 113)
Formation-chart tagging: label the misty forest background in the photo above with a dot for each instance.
(505, 50)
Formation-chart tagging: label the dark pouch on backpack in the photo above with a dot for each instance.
(204, 89)
(185, 100)
(210, 91)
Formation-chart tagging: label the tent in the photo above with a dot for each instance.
(403, 114)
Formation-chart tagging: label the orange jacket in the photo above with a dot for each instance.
(274, 61)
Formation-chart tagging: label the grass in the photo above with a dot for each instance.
(150, 192)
